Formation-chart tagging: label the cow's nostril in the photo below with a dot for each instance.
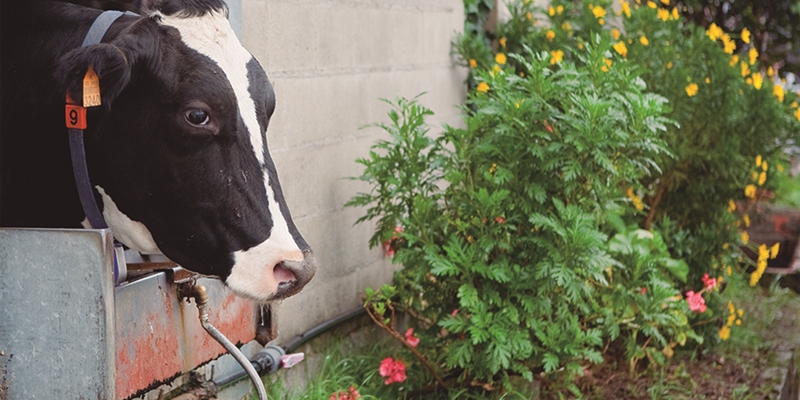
(283, 275)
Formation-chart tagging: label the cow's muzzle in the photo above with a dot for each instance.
(294, 275)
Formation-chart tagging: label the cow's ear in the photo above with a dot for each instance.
(108, 61)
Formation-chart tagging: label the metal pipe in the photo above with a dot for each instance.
(201, 299)
(267, 360)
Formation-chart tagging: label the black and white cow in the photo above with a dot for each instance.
(177, 152)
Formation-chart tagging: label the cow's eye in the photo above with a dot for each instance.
(197, 117)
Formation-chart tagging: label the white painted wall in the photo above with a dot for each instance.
(330, 61)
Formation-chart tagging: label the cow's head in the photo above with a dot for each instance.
(178, 151)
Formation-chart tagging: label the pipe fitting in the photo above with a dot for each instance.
(200, 295)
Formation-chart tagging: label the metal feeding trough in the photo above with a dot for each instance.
(67, 331)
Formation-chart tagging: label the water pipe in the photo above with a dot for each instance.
(271, 358)
(201, 300)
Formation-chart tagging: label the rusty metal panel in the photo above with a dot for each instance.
(56, 322)
(159, 336)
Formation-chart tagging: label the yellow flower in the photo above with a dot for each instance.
(745, 69)
(797, 114)
(599, 12)
(643, 40)
(734, 60)
(500, 58)
(777, 90)
(472, 63)
(550, 35)
(728, 45)
(714, 32)
(754, 175)
(770, 72)
(626, 9)
(607, 66)
(496, 69)
(560, 10)
(675, 15)
(764, 165)
(750, 191)
(773, 251)
(746, 219)
(746, 35)
(758, 160)
(615, 33)
(663, 14)
(753, 54)
(708, 80)
(651, 4)
(749, 80)
(780, 168)
(740, 313)
(691, 90)
(502, 41)
(665, 2)
(757, 80)
(636, 200)
(556, 56)
(551, 11)
(731, 206)
(580, 46)
(494, 166)
(729, 271)
(738, 322)
(762, 178)
(566, 26)
(529, 16)
(483, 87)
(620, 48)
(601, 21)
(724, 333)
(669, 65)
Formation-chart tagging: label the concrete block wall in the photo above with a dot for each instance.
(330, 61)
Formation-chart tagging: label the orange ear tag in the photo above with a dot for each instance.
(91, 89)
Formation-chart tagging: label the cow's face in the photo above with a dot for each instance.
(179, 153)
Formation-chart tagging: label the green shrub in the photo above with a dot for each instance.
(513, 256)
(588, 202)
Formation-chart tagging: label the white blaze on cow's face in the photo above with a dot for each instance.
(258, 272)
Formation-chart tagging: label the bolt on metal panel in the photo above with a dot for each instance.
(56, 314)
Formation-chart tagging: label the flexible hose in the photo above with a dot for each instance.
(201, 299)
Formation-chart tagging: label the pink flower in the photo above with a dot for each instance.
(389, 245)
(388, 248)
(710, 283)
(410, 338)
(454, 313)
(350, 395)
(500, 220)
(696, 301)
(643, 290)
(393, 371)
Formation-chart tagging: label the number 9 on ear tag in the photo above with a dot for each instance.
(91, 89)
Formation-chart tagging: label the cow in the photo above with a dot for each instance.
(176, 152)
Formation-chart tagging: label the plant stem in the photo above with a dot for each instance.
(654, 205)
(400, 337)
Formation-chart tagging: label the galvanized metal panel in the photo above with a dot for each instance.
(56, 322)
(159, 336)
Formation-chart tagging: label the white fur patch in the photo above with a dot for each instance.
(211, 35)
(132, 233)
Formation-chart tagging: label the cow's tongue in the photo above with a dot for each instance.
(283, 275)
